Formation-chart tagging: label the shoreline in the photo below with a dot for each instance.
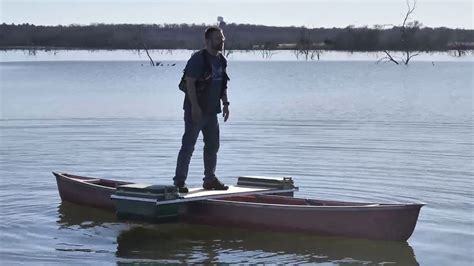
(51, 48)
(160, 55)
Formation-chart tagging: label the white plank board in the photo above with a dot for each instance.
(196, 194)
(201, 192)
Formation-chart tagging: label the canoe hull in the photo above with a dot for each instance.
(378, 223)
(276, 213)
(73, 189)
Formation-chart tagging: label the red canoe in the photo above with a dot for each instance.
(267, 212)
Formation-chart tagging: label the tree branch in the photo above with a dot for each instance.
(389, 56)
(410, 10)
(146, 50)
(413, 55)
(382, 59)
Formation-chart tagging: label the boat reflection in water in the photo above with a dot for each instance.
(187, 243)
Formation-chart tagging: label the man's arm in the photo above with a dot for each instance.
(191, 91)
(225, 101)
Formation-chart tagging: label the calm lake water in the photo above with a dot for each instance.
(344, 130)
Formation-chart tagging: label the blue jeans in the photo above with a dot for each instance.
(210, 131)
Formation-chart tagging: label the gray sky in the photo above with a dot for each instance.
(316, 13)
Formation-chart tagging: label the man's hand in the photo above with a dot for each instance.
(225, 112)
(196, 113)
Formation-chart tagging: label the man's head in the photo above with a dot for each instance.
(214, 38)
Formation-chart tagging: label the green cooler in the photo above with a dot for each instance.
(138, 202)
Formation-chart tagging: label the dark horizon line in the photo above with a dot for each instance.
(51, 48)
(374, 26)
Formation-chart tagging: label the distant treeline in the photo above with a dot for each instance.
(238, 37)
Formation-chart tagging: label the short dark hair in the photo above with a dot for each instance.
(210, 30)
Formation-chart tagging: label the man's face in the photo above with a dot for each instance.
(217, 40)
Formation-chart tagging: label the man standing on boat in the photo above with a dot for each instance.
(205, 82)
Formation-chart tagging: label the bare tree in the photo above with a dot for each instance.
(139, 38)
(407, 30)
(32, 51)
(268, 50)
(305, 47)
(459, 49)
(148, 54)
(308, 54)
(267, 53)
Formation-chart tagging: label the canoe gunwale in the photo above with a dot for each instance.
(368, 207)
